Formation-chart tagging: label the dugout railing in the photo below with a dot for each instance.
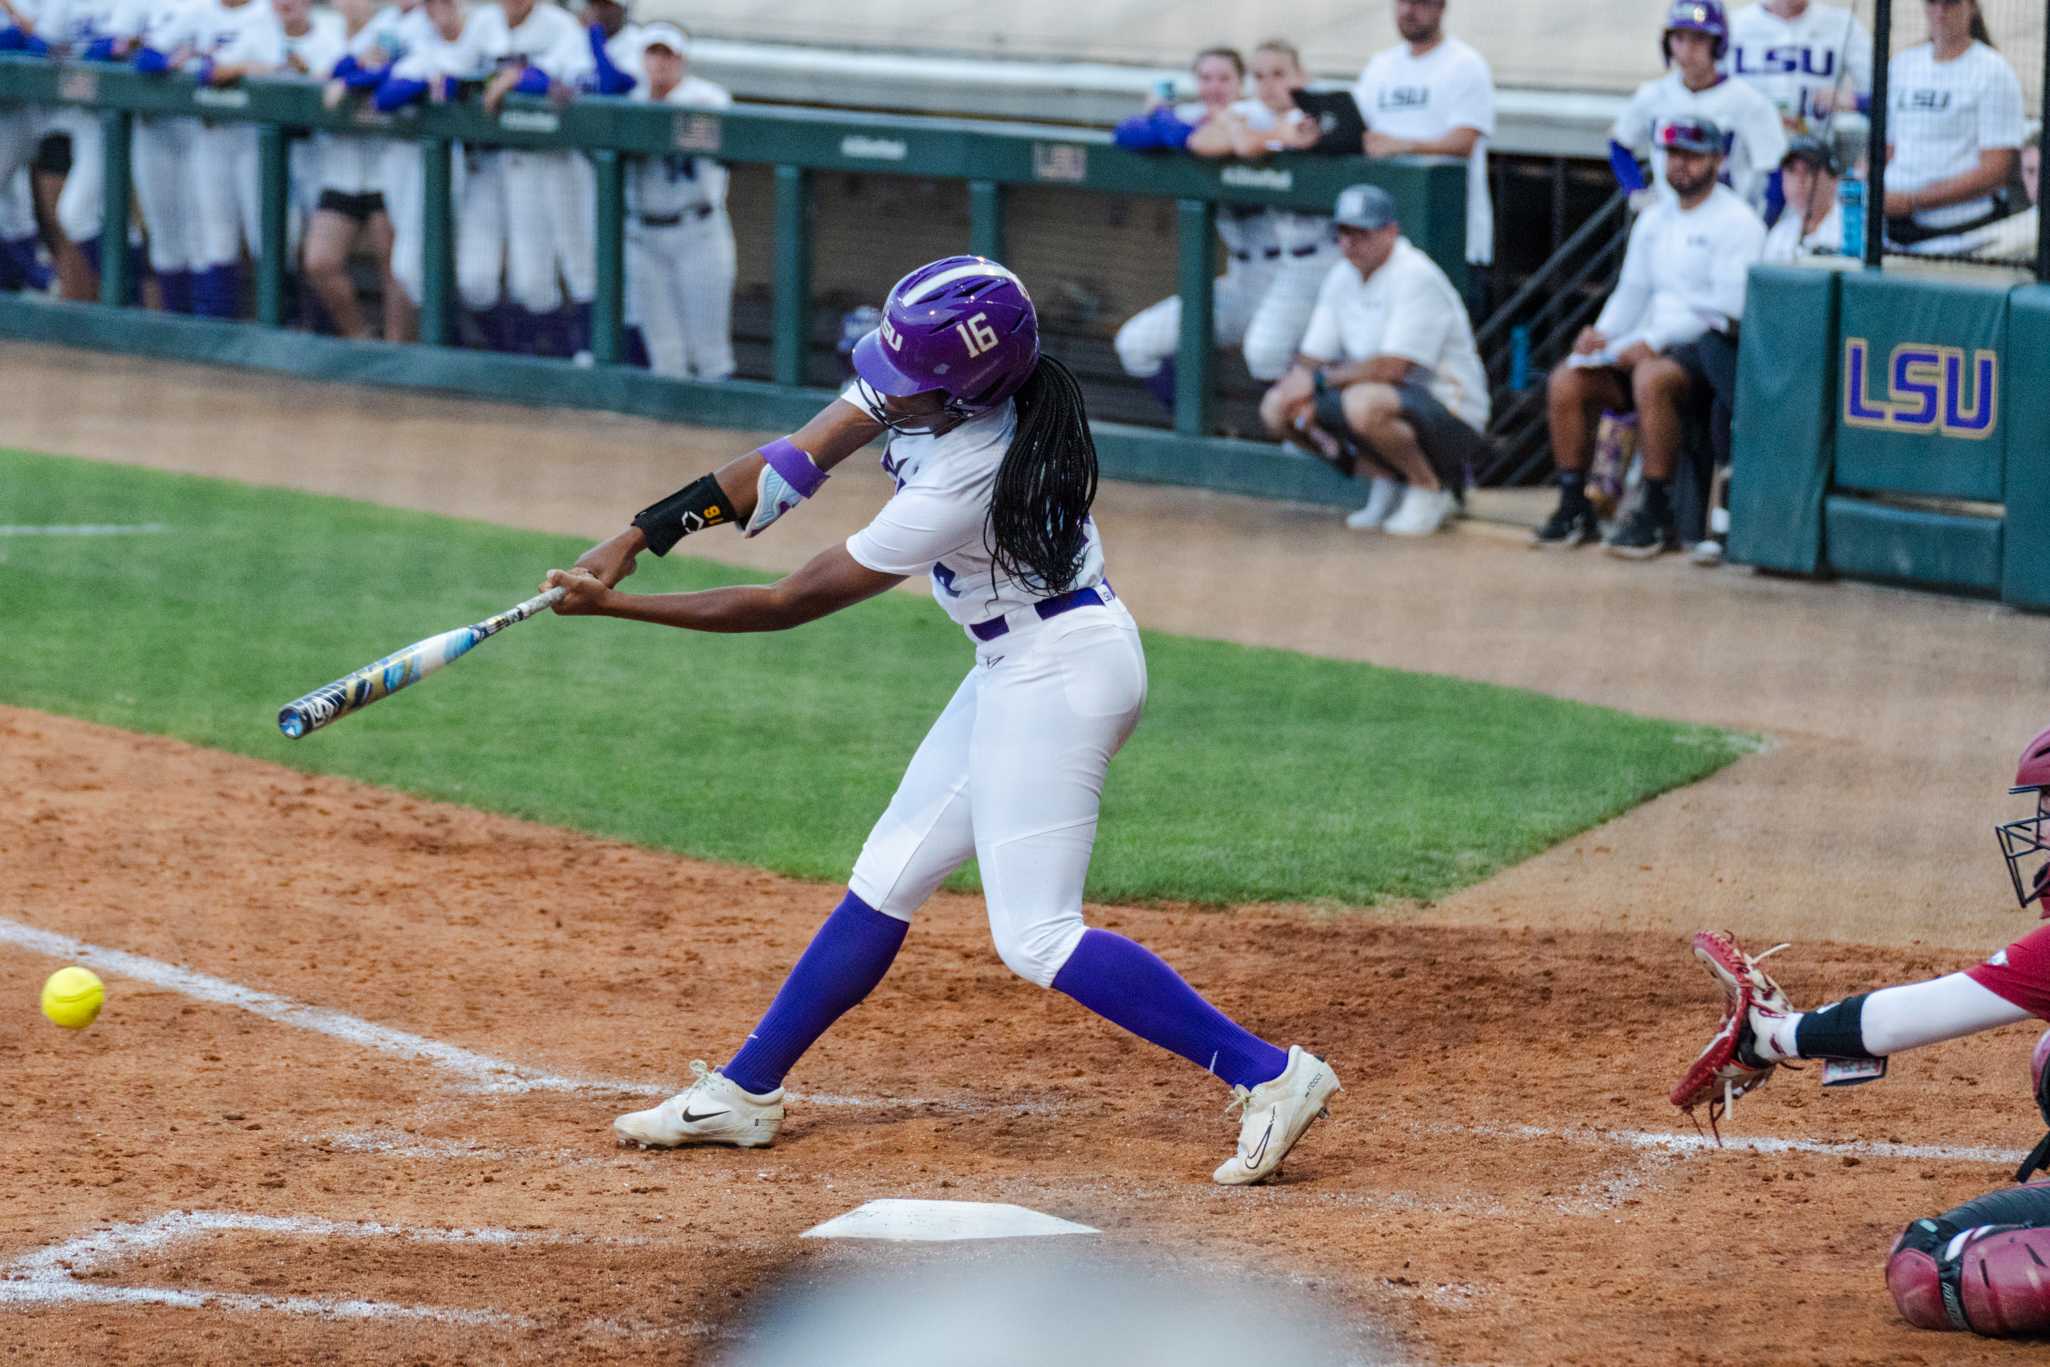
(798, 144)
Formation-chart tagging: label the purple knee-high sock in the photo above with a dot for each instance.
(1129, 985)
(841, 965)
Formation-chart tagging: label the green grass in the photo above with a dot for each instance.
(1258, 774)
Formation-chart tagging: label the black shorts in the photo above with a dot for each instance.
(1452, 446)
(53, 155)
(1710, 361)
(358, 208)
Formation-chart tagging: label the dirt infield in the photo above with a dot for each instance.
(351, 1101)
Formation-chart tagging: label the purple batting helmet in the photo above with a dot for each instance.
(1696, 16)
(963, 325)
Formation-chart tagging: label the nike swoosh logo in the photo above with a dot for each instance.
(690, 1119)
(1253, 1159)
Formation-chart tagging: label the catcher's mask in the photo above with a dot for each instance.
(2029, 838)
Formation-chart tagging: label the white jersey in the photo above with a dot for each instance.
(1786, 241)
(1942, 115)
(429, 56)
(313, 54)
(71, 26)
(623, 49)
(392, 32)
(165, 25)
(547, 39)
(1407, 308)
(1427, 97)
(934, 524)
(1751, 126)
(243, 33)
(1795, 63)
(677, 184)
(1293, 233)
(1683, 273)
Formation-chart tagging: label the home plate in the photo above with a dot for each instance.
(941, 1221)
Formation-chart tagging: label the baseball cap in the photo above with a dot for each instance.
(1813, 150)
(665, 35)
(1365, 207)
(1691, 135)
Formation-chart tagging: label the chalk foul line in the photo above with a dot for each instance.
(1674, 1142)
(58, 1274)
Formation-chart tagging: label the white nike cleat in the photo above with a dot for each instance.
(1274, 1116)
(713, 1110)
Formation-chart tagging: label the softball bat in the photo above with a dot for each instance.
(382, 678)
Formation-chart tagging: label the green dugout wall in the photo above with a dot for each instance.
(1895, 427)
(799, 144)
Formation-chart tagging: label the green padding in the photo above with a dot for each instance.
(1919, 366)
(2025, 412)
(1142, 454)
(1780, 452)
(1909, 545)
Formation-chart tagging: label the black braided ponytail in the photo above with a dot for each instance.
(1035, 532)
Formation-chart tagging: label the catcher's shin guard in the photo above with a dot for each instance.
(1984, 1266)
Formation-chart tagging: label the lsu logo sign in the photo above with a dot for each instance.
(1923, 390)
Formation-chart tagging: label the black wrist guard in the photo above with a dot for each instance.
(690, 509)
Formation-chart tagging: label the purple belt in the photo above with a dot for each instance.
(1047, 608)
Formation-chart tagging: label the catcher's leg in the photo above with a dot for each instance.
(1979, 1266)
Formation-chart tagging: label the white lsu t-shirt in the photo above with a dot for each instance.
(934, 523)
(1942, 115)
(1684, 272)
(1750, 124)
(1407, 308)
(1406, 96)
(1795, 62)
(679, 182)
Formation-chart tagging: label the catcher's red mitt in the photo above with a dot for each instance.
(1730, 1066)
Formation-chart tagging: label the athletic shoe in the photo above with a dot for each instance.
(1707, 552)
(1641, 537)
(1566, 529)
(1423, 511)
(713, 1110)
(1274, 1116)
(1381, 501)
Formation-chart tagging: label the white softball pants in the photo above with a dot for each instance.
(1012, 775)
(161, 155)
(403, 182)
(519, 217)
(679, 285)
(18, 137)
(82, 203)
(1283, 315)
(227, 209)
(17, 208)
(1151, 336)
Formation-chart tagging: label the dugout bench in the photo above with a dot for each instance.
(799, 144)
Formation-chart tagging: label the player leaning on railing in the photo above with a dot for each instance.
(1980, 1266)
(995, 471)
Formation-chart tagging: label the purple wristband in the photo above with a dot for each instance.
(794, 466)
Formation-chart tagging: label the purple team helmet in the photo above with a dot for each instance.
(1696, 16)
(963, 325)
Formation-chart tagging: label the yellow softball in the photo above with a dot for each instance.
(72, 997)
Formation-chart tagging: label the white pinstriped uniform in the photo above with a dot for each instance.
(680, 261)
(162, 147)
(225, 175)
(519, 211)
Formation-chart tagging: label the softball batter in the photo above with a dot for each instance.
(995, 472)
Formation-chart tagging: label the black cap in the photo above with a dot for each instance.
(1813, 150)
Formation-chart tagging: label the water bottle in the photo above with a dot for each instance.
(1850, 194)
(1163, 90)
(1519, 358)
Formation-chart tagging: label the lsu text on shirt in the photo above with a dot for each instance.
(934, 523)
(1796, 63)
(1407, 308)
(1407, 96)
(1942, 115)
(1756, 138)
(1684, 272)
